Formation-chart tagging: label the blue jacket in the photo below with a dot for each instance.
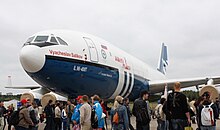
(76, 114)
(98, 110)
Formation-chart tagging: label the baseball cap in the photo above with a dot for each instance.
(23, 101)
(79, 97)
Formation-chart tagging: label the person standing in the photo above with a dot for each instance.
(177, 106)
(2, 115)
(57, 117)
(208, 113)
(120, 110)
(76, 114)
(49, 114)
(64, 118)
(40, 112)
(103, 105)
(141, 110)
(192, 110)
(161, 118)
(34, 116)
(85, 114)
(70, 107)
(9, 111)
(217, 102)
(24, 117)
(98, 110)
(126, 104)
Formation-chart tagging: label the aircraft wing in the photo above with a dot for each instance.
(158, 86)
(23, 87)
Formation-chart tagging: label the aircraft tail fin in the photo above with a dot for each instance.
(163, 61)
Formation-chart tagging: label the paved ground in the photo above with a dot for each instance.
(153, 125)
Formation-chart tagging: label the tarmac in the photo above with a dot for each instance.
(153, 124)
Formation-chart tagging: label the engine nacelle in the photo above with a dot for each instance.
(212, 89)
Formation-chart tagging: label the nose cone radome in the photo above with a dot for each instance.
(31, 58)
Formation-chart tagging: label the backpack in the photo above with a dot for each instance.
(115, 117)
(94, 119)
(14, 118)
(33, 117)
(157, 111)
(207, 115)
(175, 100)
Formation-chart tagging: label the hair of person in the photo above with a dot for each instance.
(34, 103)
(100, 101)
(58, 104)
(118, 100)
(143, 92)
(206, 93)
(96, 98)
(198, 101)
(177, 85)
(162, 100)
(125, 99)
(50, 101)
(85, 98)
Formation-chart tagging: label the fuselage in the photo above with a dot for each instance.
(74, 63)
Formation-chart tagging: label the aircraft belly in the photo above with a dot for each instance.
(75, 77)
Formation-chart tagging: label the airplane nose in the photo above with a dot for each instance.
(31, 58)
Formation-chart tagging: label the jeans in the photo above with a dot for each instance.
(179, 124)
(64, 124)
(20, 128)
(207, 127)
(68, 122)
(140, 126)
(162, 125)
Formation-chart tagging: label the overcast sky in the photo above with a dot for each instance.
(189, 28)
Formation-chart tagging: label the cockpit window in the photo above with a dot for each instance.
(41, 39)
(30, 39)
(53, 40)
(62, 42)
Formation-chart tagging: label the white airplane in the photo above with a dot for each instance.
(74, 63)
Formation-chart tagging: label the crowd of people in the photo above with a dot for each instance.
(176, 113)
(173, 112)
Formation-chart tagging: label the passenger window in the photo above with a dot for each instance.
(62, 42)
(41, 39)
(53, 40)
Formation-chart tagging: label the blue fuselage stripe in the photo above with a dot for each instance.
(125, 82)
(129, 85)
